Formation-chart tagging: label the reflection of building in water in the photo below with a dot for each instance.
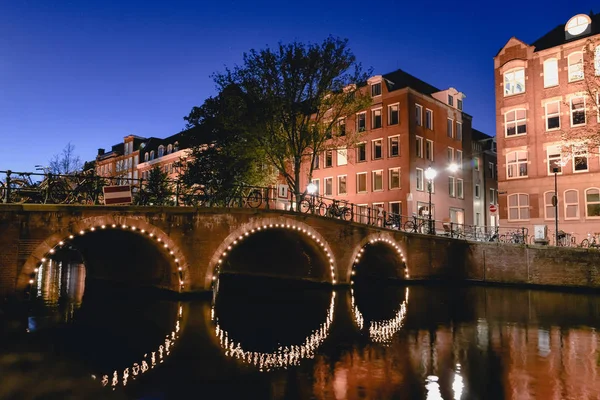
(61, 280)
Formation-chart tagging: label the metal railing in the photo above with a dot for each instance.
(87, 188)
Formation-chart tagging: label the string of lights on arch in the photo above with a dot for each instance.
(293, 227)
(378, 240)
(157, 237)
(284, 356)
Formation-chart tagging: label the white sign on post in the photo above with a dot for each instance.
(282, 191)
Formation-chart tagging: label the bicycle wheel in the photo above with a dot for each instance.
(305, 206)
(410, 226)
(321, 209)
(17, 194)
(254, 199)
(347, 214)
(585, 243)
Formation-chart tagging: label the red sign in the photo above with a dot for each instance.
(117, 194)
(493, 208)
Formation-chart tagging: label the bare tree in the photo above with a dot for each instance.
(67, 162)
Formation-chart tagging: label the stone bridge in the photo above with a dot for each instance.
(184, 249)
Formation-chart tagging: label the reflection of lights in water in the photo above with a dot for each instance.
(433, 388)
(457, 384)
(283, 357)
(147, 363)
(382, 331)
(543, 342)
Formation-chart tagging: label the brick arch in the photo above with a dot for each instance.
(134, 225)
(256, 226)
(383, 237)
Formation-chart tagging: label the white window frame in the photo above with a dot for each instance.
(450, 128)
(451, 186)
(390, 180)
(548, 207)
(345, 185)
(458, 157)
(516, 122)
(380, 140)
(570, 204)
(342, 157)
(419, 146)
(459, 131)
(161, 151)
(554, 153)
(373, 111)
(380, 171)
(419, 114)
(460, 188)
(519, 207)
(325, 159)
(587, 216)
(579, 153)
(450, 155)
(397, 137)
(366, 182)
(317, 183)
(169, 148)
(373, 86)
(429, 143)
(358, 145)
(325, 180)
(510, 79)
(399, 206)
(575, 68)
(517, 164)
(571, 110)
(552, 115)
(390, 109)
(358, 115)
(419, 179)
(597, 60)
(428, 119)
(550, 72)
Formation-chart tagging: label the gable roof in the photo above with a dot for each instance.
(556, 36)
(400, 79)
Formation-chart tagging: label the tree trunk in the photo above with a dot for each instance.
(297, 190)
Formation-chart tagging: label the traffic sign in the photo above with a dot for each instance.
(117, 194)
(493, 208)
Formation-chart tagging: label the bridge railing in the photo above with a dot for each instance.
(86, 188)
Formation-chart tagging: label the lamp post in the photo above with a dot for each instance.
(311, 188)
(555, 204)
(430, 175)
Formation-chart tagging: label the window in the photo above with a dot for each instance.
(317, 183)
(577, 111)
(575, 66)
(152, 155)
(476, 163)
(378, 180)
(342, 126)
(450, 127)
(161, 150)
(459, 189)
(376, 89)
(419, 149)
(459, 104)
(477, 191)
(450, 100)
(429, 150)
(493, 196)
(491, 170)
(551, 72)
(571, 204)
(548, 207)
(459, 131)
(515, 122)
(514, 82)
(419, 114)
(376, 119)
(516, 164)
(597, 60)
(146, 157)
(341, 184)
(361, 182)
(419, 179)
(394, 146)
(317, 162)
(176, 146)
(328, 186)
(361, 152)
(169, 148)
(552, 115)
(393, 114)
(459, 158)
(377, 146)
(428, 119)
(450, 154)
(554, 159)
(451, 184)
(342, 157)
(394, 178)
(518, 206)
(580, 160)
(395, 207)
(592, 202)
(361, 122)
(328, 158)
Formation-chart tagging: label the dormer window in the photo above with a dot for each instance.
(146, 157)
(161, 150)
(514, 81)
(450, 100)
(152, 155)
(176, 146)
(459, 104)
(169, 149)
(577, 25)
(376, 89)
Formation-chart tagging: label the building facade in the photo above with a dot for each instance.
(542, 100)
(409, 127)
(122, 161)
(485, 180)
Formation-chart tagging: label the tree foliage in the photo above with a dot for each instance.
(295, 96)
(158, 190)
(67, 162)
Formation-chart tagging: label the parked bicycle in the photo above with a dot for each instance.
(335, 210)
(591, 242)
(312, 204)
(416, 225)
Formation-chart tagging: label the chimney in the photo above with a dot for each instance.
(100, 152)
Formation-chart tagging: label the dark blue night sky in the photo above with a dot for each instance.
(90, 72)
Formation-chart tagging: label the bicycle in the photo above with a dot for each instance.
(336, 211)
(313, 205)
(416, 225)
(590, 242)
(393, 220)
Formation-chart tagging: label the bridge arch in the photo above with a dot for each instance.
(256, 226)
(382, 237)
(57, 240)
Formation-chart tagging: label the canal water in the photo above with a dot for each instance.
(262, 339)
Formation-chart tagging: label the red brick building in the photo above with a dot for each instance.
(409, 127)
(541, 98)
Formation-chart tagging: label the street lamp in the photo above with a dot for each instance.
(430, 175)
(555, 203)
(311, 188)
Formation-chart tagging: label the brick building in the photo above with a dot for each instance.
(122, 160)
(164, 153)
(541, 99)
(409, 127)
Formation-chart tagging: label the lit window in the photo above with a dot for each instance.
(580, 160)
(459, 189)
(515, 122)
(377, 149)
(429, 150)
(592, 202)
(450, 128)
(393, 114)
(419, 147)
(419, 179)
(361, 122)
(317, 183)
(577, 111)
(554, 159)
(376, 118)
(328, 158)
(548, 206)
(342, 157)
(551, 72)
(342, 184)
(552, 115)
(394, 178)
(428, 119)
(578, 24)
(328, 183)
(458, 130)
(575, 66)
(394, 146)
(361, 182)
(361, 152)
(451, 184)
(518, 206)
(376, 89)
(419, 114)
(514, 82)
(571, 204)
(516, 164)
(377, 180)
